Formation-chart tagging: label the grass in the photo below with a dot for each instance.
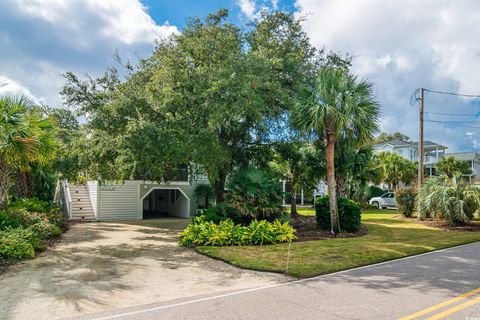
(388, 238)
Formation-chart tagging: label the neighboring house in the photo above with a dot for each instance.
(305, 196)
(129, 200)
(409, 150)
(473, 159)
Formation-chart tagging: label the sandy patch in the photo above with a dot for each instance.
(104, 266)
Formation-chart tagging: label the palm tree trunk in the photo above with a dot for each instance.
(293, 204)
(219, 186)
(332, 192)
(4, 176)
(23, 184)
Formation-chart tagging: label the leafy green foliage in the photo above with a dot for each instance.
(32, 205)
(385, 137)
(451, 167)
(406, 200)
(14, 245)
(396, 169)
(227, 233)
(349, 214)
(373, 191)
(451, 199)
(255, 195)
(204, 192)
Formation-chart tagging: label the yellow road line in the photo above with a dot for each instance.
(441, 305)
(455, 309)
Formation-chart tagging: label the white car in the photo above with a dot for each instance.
(386, 200)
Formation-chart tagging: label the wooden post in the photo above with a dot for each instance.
(420, 149)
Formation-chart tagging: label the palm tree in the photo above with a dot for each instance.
(21, 140)
(452, 167)
(450, 199)
(338, 106)
(396, 169)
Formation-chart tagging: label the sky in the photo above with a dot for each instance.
(397, 45)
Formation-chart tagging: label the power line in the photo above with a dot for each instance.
(454, 114)
(453, 124)
(454, 94)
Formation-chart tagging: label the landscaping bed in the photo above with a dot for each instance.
(444, 225)
(306, 230)
(388, 238)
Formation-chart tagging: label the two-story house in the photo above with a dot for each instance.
(433, 152)
(472, 158)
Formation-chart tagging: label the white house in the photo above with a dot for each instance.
(409, 150)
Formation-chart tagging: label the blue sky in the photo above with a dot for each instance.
(398, 45)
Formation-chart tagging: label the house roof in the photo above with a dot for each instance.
(464, 156)
(400, 143)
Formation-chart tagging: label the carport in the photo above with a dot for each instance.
(165, 202)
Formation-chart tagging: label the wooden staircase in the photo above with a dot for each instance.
(81, 206)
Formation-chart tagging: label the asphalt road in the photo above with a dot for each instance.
(439, 285)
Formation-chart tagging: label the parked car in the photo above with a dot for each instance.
(386, 200)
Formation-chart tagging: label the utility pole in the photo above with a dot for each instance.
(420, 150)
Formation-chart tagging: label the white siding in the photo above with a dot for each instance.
(92, 187)
(120, 201)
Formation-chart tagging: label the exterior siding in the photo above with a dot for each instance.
(119, 201)
(92, 187)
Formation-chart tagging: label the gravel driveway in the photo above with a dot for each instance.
(104, 266)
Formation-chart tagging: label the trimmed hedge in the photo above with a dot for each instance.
(348, 211)
(227, 233)
(406, 200)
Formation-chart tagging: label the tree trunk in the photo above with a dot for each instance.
(332, 192)
(293, 203)
(23, 184)
(219, 186)
(4, 176)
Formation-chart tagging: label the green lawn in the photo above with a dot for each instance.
(387, 239)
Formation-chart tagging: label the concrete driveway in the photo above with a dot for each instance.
(105, 266)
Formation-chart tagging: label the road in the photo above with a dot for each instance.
(439, 285)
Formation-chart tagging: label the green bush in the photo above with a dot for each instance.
(373, 191)
(15, 245)
(32, 205)
(45, 230)
(57, 217)
(368, 206)
(349, 214)
(14, 218)
(406, 200)
(226, 232)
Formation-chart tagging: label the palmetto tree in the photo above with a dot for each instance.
(21, 140)
(450, 199)
(396, 169)
(451, 167)
(338, 107)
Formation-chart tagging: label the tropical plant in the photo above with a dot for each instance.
(338, 107)
(349, 214)
(385, 137)
(204, 191)
(451, 199)
(255, 195)
(451, 167)
(396, 169)
(227, 233)
(291, 163)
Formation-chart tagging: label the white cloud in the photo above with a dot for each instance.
(42, 39)
(404, 45)
(10, 87)
(247, 7)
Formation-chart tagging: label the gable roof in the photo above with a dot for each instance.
(400, 143)
(464, 156)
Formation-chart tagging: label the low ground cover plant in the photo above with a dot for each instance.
(348, 211)
(26, 226)
(228, 233)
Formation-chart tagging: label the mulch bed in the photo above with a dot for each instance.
(442, 224)
(307, 230)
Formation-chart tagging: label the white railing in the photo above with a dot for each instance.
(63, 198)
(431, 159)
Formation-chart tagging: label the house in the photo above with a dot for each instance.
(409, 150)
(129, 200)
(473, 159)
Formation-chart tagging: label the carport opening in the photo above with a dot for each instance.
(165, 203)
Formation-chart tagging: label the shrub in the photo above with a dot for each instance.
(368, 206)
(45, 230)
(14, 218)
(57, 217)
(406, 200)
(373, 191)
(14, 245)
(255, 195)
(32, 205)
(349, 214)
(203, 232)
